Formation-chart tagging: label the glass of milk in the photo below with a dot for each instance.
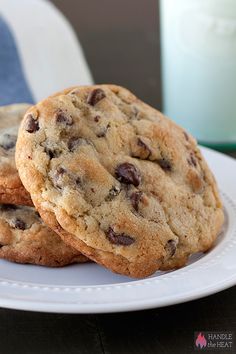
(198, 43)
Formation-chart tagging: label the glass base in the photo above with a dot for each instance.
(225, 147)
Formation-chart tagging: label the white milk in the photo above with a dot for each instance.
(199, 67)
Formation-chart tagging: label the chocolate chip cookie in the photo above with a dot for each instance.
(117, 180)
(24, 238)
(11, 188)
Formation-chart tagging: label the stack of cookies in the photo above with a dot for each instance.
(111, 180)
(24, 237)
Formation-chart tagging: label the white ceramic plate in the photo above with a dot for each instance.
(89, 288)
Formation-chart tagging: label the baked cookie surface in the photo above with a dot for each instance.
(118, 180)
(11, 188)
(24, 238)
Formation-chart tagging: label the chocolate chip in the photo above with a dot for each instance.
(75, 141)
(95, 96)
(191, 160)
(31, 124)
(113, 192)
(128, 174)
(97, 119)
(58, 177)
(52, 153)
(170, 247)
(63, 117)
(103, 131)
(19, 224)
(135, 199)
(60, 171)
(78, 181)
(49, 152)
(119, 239)
(8, 141)
(164, 164)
